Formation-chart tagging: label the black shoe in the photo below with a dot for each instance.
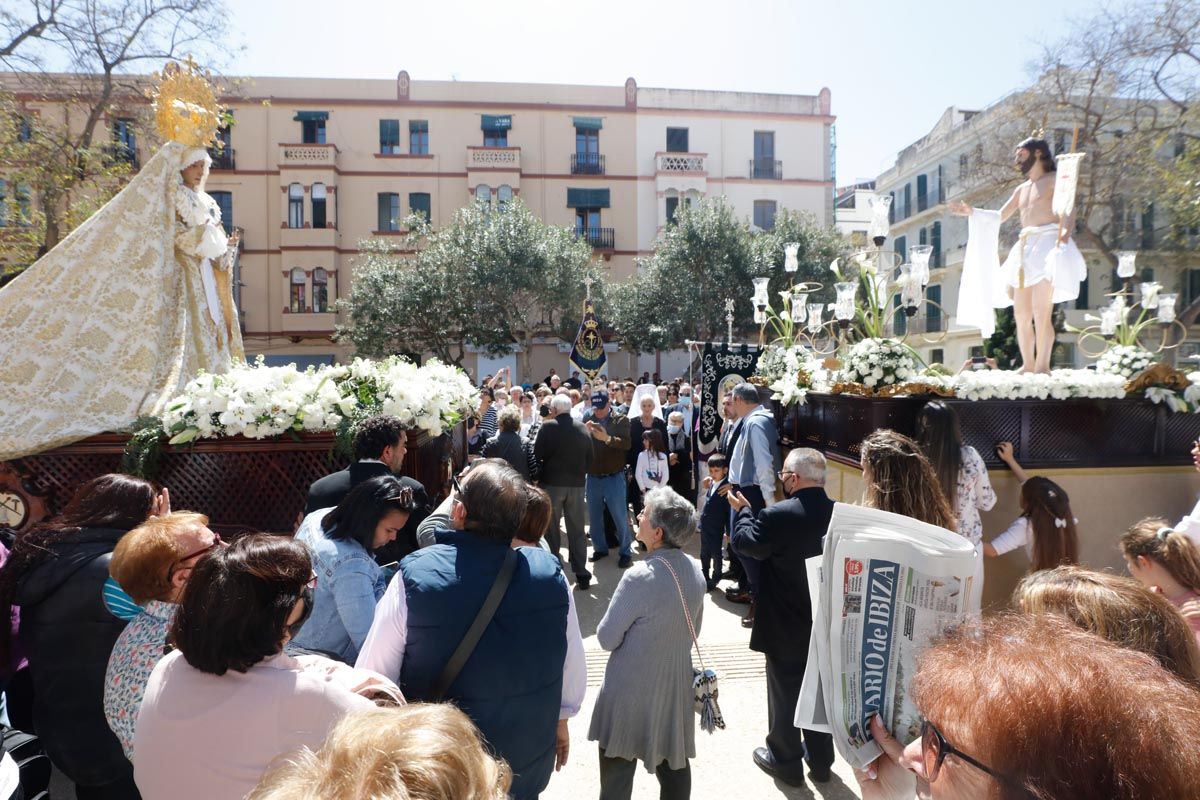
(766, 762)
(625, 562)
(597, 556)
(819, 774)
(582, 582)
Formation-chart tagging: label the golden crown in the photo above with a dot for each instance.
(185, 105)
(1038, 132)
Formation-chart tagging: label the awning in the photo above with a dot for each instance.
(418, 126)
(491, 122)
(311, 116)
(587, 198)
(588, 123)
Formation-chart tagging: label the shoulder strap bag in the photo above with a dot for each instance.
(704, 680)
(484, 618)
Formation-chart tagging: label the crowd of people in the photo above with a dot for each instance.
(389, 649)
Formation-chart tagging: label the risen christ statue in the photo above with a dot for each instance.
(1044, 267)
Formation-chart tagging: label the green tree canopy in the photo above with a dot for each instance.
(495, 278)
(705, 256)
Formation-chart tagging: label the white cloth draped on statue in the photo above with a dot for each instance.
(1036, 256)
(981, 291)
(113, 321)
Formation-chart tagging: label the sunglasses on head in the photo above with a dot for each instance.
(216, 542)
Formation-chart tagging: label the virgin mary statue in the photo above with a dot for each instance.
(112, 322)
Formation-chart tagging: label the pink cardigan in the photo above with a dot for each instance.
(210, 737)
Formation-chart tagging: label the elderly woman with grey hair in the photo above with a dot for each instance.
(644, 711)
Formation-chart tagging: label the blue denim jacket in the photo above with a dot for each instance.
(349, 583)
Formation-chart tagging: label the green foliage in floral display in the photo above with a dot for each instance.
(708, 254)
(494, 277)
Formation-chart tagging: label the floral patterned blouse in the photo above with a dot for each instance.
(137, 651)
(975, 494)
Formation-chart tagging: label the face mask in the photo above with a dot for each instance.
(674, 429)
(686, 399)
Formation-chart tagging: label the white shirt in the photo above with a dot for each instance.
(383, 650)
(1020, 533)
(650, 474)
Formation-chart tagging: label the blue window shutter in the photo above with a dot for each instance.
(587, 198)
(496, 122)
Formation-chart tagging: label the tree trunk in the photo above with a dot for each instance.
(524, 360)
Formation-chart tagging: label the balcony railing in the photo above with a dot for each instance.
(494, 158)
(766, 169)
(679, 162)
(598, 238)
(587, 164)
(308, 154)
(223, 159)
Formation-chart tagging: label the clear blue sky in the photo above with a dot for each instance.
(893, 65)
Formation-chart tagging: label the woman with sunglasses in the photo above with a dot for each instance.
(152, 564)
(228, 701)
(349, 582)
(1031, 706)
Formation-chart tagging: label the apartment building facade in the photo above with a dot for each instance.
(309, 168)
(963, 158)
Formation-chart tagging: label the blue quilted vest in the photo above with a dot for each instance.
(511, 686)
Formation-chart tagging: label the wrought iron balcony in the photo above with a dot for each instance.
(598, 238)
(766, 169)
(223, 158)
(587, 164)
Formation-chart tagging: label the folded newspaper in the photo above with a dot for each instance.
(884, 588)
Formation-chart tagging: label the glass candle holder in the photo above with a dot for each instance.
(880, 225)
(760, 317)
(790, 261)
(761, 299)
(910, 289)
(815, 321)
(919, 255)
(1109, 317)
(799, 307)
(843, 308)
(1166, 307)
(1126, 263)
(1150, 290)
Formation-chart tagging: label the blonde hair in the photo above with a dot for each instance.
(1117, 608)
(1155, 539)
(900, 479)
(415, 752)
(142, 560)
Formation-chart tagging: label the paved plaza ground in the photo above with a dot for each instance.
(723, 768)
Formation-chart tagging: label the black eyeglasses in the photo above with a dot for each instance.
(935, 748)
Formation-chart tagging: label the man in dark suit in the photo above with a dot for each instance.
(780, 538)
(379, 447)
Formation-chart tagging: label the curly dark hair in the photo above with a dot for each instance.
(1040, 147)
(235, 608)
(374, 434)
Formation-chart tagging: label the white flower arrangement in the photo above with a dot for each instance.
(1061, 384)
(257, 401)
(876, 363)
(1124, 360)
(791, 372)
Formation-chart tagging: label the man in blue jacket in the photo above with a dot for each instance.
(511, 685)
